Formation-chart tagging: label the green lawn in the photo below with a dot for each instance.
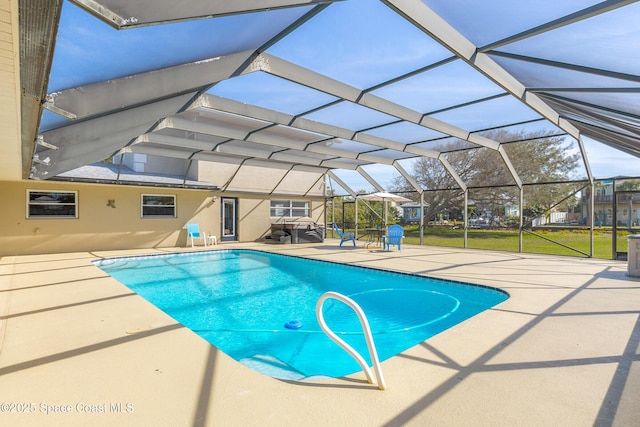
(507, 240)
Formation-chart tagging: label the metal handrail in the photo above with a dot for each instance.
(346, 347)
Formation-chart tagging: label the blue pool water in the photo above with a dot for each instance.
(241, 300)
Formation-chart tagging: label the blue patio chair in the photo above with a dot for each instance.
(394, 236)
(344, 237)
(193, 232)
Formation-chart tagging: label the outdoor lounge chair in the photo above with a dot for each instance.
(344, 237)
(193, 232)
(394, 236)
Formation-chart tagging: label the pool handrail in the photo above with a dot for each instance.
(373, 354)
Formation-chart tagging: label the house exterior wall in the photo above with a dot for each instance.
(254, 215)
(627, 206)
(101, 227)
(411, 214)
(10, 92)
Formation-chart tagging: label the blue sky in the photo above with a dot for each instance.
(360, 42)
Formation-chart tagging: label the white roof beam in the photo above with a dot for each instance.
(205, 128)
(625, 143)
(512, 170)
(372, 158)
(102, 126)
(231, 106)
(242, 151)
(431, 23)
(156, 138)
(585, 160)
(233, 133)
(183, 148)
(286, 70)
(219, 158)
(483, 141)
(396, 110)
(342, 184)
(276, 141)
(93, 140)
(284, 156)
(411, 180)
(261, 163)
(118, 94)
(379, 142)
(340, 164)
(322, 148)
(369, 179)
(256, 137)
(580, 15)
(157, 151)
(574, 67)
(131, 14)
(235, 107)
(303, 76)
(424, 152)
(306, 168)
(453, 173)
(88, 152)
(210, 156)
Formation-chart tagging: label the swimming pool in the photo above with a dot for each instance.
(241, 300)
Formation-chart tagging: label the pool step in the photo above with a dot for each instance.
(272, 366)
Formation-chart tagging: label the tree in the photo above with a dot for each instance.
(628, 185)
(536, 157)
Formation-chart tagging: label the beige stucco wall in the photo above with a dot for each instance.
(10, 148)
(100, 227)
(253, 215)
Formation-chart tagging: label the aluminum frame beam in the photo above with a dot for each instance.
(580, 15)
(118, 94)
(568, 66)
(425, 19)
(234, 107)
(211, 156)
(369, 179)
(123, 14)
(259, 113)
(93, 140)
(342, 184)
(241, 152)
(294, 73)
(411, 180)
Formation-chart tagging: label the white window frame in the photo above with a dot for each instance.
(280, 208)
(174, 214)
(51, 203)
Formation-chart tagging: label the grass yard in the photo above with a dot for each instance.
(507, 240)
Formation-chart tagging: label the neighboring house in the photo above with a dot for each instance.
(411, 212)
(627, 206)
(511, 210)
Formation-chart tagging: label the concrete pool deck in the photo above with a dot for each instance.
(563, 350)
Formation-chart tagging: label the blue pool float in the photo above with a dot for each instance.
(293, 324)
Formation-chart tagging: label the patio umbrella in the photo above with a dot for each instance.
(383, 196)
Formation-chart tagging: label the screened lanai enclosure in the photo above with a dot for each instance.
(495, 116)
